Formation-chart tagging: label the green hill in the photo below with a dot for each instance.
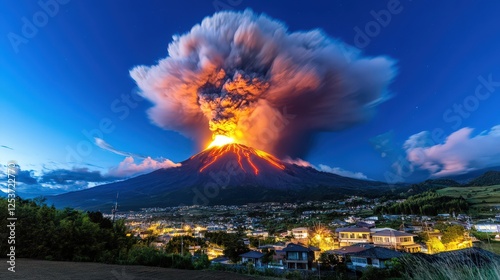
(487, 179)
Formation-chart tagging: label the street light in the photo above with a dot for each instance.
(185, 228)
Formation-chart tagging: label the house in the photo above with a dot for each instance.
(252, 257)
(444, 215)
(300, 233)
(375, 256)
(415, 228)
(350, 236)
(396, 239)
(259, 234)
(487, 227)
(273, 247)
(345, 251)
(279, 259)
(298, 256)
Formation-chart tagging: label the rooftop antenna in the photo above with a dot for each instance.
(115, 208)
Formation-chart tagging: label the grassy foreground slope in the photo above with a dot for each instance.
(28, 269)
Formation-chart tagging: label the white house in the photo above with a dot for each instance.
(350, 236)
(487, 227)
(300, 233)
(396, 239)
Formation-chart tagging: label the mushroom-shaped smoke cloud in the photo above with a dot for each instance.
(246, 76)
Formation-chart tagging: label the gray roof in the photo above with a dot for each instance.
(346, 250)
(292, 247)
(353, 229)
(378, 253)
(252, 255)
(392, 233)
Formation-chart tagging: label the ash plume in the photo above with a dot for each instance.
(244, 75)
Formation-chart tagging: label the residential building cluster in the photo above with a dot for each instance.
(297, 234)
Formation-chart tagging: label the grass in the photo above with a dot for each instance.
(453, 266)
(478, 197)
(492, 246)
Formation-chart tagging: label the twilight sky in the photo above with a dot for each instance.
(72, 117)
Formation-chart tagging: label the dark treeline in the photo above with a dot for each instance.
(231, 242)
(427, 203)
(44, 232)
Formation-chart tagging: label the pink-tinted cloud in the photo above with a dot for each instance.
(460, 153)
(298, 161)
(326, 168)
(129, 168)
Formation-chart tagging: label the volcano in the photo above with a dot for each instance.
(230, 174)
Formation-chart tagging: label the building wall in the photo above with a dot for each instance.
(348, 238)
(364, 262)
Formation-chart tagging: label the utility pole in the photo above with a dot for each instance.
(182, 241)
(115, 208)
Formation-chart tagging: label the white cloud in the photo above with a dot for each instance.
(342, 172)
(128, 167)
(460, 153)
(105, 146)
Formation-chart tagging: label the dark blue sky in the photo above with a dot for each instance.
(67, 76)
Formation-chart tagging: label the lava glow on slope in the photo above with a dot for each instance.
(249, 159)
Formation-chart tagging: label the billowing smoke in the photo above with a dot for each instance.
(246, 76)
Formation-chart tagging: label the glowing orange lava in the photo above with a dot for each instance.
(245, 156)
(220, 140)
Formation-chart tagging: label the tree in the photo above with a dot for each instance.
(329, 260)
(435, 245)
(268, 255)
(234, 248)
(454, 233)
(175, 244)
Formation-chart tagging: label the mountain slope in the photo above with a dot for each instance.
(231, 174)
(489, 178)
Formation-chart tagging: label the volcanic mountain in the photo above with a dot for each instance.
(228, 174)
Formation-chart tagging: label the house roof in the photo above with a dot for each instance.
(252, 254)
(380, 229)
(314, 248)
(351, 249)
(362, 229)
(378, 253)
(392, 233)
(300, 228)
(346, 250)
(292, 247)
(365, 225)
